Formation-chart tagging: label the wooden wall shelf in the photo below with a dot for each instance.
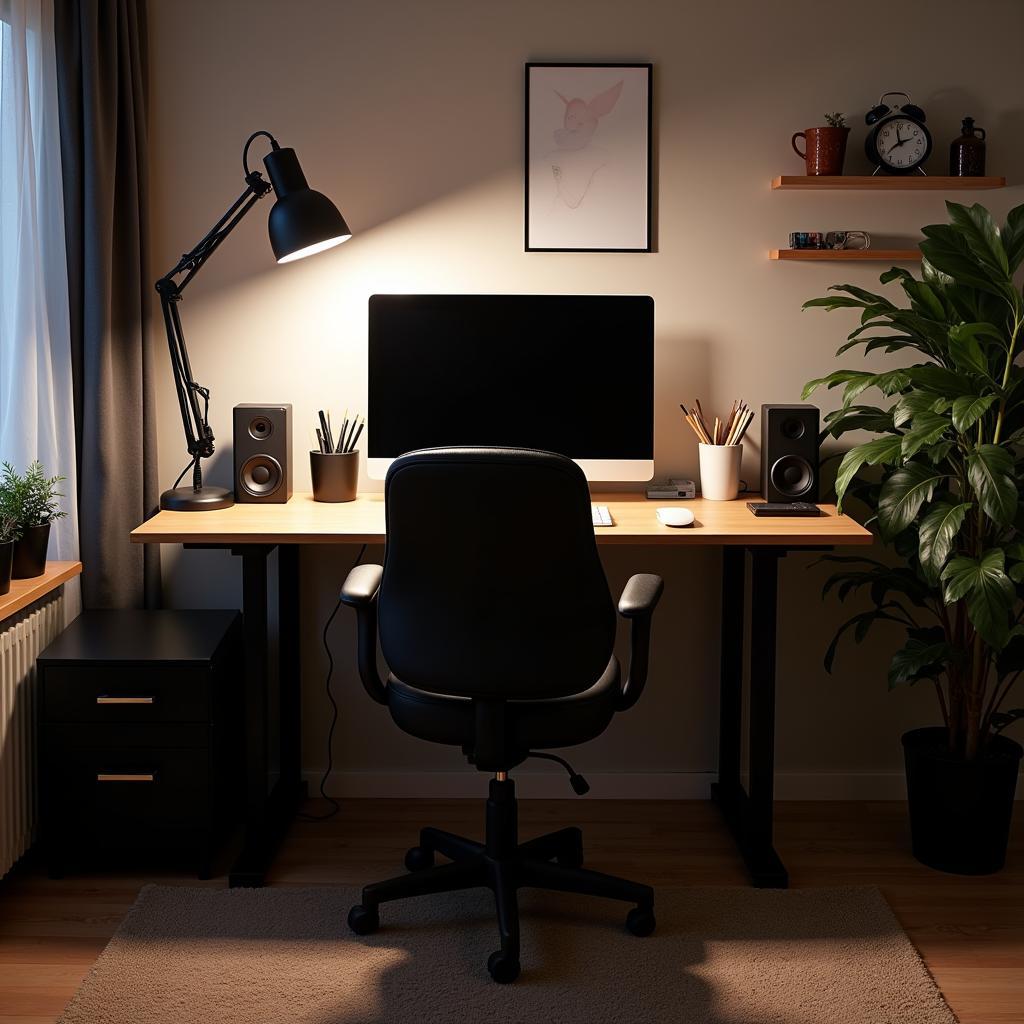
(882, 183)
(829, 255)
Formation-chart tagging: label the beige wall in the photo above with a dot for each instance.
(410, 115)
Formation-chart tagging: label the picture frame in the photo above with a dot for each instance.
(587, 167)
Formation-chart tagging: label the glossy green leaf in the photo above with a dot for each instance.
(967, 410)
(988, 591)
(1013, 238)
(926, 430)
(965, 348)
(948, 251)
(911, 404)
(990, 473)
(977, 227)
(937, 536)
(944, 382)
(918, 660)
(902, 496)
(881, 449)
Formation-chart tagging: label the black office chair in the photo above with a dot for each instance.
(498, 627)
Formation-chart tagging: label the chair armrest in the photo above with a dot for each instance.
(359, 591)
(639, 598)
(361, 585)
(640, 595)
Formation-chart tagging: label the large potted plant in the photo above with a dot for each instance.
(940, 481)
(32, 499)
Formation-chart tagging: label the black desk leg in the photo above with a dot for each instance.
(730, 712)
(290, 671)
(750, 817)
(267, 814)
(766, 869)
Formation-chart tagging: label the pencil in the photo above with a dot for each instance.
(352, 443)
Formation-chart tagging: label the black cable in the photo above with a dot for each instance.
(182, 474)
(335, 806)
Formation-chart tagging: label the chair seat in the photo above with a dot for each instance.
(556, 722)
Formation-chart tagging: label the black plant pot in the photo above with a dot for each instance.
(960, 810)
(30, 552)
(6, 554)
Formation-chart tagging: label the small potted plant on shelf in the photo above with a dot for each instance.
(32, 499)
(941, 483)
(824, 147)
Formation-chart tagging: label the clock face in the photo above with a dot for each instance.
(901, 143)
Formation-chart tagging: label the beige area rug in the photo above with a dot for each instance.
(719, 956)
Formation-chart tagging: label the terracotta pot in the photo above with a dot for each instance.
(30, 552)
(825, 149)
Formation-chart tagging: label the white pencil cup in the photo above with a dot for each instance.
(720, 471)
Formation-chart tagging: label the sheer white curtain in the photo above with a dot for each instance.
(36, 397)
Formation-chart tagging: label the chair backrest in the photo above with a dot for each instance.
(492, 584)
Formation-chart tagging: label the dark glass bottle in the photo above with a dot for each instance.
(967, 153)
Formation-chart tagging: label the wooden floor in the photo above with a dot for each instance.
(969, 930)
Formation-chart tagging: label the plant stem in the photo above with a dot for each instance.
(1011, 355)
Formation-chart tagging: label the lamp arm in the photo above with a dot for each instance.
(193, 398)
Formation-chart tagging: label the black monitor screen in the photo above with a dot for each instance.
(567, 373)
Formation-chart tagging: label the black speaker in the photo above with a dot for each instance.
(789, 453)
(263, 446)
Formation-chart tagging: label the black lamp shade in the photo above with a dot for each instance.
(302, 222)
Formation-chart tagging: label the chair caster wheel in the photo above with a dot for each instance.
(363, 920)
(419, 858)
(640, 921)
(503, 968)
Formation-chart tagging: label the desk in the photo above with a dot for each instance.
(253, 531)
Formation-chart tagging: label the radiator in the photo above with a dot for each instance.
(22, 637)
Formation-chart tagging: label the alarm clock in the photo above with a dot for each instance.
(898, 142)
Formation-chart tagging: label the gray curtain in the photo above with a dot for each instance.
(101, 71)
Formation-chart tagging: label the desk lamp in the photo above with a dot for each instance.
(301, 222)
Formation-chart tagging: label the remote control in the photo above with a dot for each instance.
(783, 508)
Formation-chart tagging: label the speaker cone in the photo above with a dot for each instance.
(791, 475)
(261, 475)
(260, 428)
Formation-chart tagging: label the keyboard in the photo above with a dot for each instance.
(601, 516)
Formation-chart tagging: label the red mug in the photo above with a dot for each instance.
(825, 149)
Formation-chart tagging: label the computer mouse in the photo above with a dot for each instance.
(671, 516)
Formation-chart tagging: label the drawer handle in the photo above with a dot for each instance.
(124, 777)
(126, 700)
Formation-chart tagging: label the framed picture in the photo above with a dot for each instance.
(588, 157)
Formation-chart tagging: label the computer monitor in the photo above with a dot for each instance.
(572, 374)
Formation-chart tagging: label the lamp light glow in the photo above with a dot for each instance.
(312, 250)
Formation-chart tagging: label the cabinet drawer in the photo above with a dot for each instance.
(127, 694)
(117, 790)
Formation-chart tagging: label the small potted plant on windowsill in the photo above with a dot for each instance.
(824, 147)
(32, 499)
(941, 482)
(8, 530)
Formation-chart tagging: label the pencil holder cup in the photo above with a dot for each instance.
(335, 475)
(720, 471)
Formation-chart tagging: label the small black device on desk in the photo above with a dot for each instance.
(783, 508)
(140, 736)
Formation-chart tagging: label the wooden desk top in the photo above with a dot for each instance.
(304, 521)
(24, 592)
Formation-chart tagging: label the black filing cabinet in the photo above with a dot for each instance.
(140, 737)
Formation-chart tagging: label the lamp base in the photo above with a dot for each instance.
(206, 499)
